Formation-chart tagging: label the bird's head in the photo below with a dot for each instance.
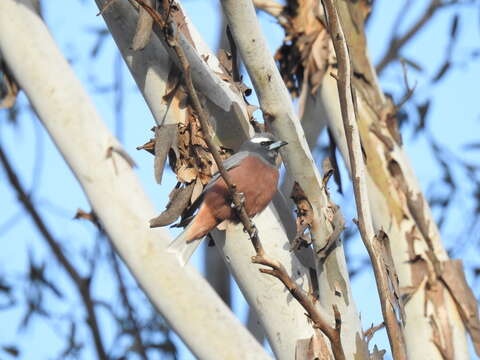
(265, 145)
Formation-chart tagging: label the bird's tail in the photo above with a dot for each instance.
(182, 249)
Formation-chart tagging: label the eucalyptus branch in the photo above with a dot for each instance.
(276, 269)
(82, 284)
(122, 289)
(355, 155)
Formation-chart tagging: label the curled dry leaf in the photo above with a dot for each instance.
(197, 190)
(194, 159)
(149, 146)
(305, 50)
(89, 216)
(179, 201)
(144, 27)
(165, 139)
(304, 217)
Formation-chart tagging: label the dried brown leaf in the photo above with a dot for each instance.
(186, 174)
(148, 146)
(304, 53)
(89, 216)
(165, 139)
(144, 28)
(197, 190)
(179, 201)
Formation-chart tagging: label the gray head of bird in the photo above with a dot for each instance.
(265, 145)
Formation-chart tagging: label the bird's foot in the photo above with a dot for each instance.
(242, 201)
(253, 231)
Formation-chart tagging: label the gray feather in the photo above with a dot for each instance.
(182, 249)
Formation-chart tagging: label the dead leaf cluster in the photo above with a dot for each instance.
(304, 53)
(190, 159)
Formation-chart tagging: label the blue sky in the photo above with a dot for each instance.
(454, 120)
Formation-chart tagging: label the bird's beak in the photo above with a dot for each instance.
(277, 145)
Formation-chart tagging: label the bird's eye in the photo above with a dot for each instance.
(266, 143)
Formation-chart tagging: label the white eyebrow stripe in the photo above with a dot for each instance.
(258, 140)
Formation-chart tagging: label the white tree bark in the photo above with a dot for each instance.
(149, 67)
(278, 110)
(388, 209)
(266, 294)
(184, 298)
(418, 327)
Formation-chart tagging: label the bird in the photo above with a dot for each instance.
(254, 171)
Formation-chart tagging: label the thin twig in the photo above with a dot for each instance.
(332, 333)
(368, 334)
(357, 166)
(276, 269)
(397, 43)
(410, 90)
(122, 289)
(82, 284)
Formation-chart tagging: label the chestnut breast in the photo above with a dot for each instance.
(254, 178)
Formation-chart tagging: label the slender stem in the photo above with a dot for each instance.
(397, 43)
(357, 166)
(140, 347)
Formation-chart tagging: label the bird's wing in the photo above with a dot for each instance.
(232, 162)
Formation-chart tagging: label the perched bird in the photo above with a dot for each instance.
(254, 171)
